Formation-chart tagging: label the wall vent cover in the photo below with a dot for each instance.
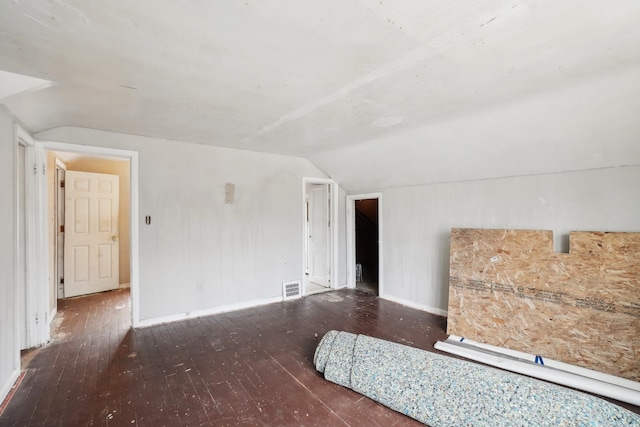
(291, 290)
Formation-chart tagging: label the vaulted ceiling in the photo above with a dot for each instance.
(376, 93)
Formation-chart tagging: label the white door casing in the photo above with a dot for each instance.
(91, 233)
(21, 254)
(31, 253)
(319, 235)
(59, 227)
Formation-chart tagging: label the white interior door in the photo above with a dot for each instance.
(319, 235)
(91, 233)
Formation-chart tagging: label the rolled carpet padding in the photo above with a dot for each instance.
(440, 391)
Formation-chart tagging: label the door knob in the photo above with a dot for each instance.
(114, 238)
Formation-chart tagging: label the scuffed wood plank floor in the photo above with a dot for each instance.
(246, 368)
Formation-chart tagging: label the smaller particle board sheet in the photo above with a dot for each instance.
(509, 288)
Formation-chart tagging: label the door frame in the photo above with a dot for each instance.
(333, 234)
(93, 151)
(31, 313)
(351, 239)
(58, 245)
(318, 227)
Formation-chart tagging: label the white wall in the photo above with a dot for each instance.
(418, 220)
(200, 253)
(9, 347)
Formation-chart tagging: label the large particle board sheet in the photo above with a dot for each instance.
(509, 288)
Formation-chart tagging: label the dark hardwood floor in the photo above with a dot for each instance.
(246, 368)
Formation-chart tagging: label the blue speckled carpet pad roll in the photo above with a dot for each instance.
(442, 391)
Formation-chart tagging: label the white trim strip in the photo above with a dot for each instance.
(6, 389)
(543, 372)
(578, 370)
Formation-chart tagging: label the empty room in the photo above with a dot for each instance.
(344, 213)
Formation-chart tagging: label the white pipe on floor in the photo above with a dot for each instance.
(569, 379)
(601, 376)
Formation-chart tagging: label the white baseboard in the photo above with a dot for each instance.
(6, 388)
(411, 304)
(207, 312)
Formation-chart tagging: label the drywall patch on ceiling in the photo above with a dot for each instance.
(386, 122)
(410, 59)
(12, 84)
(54, 14)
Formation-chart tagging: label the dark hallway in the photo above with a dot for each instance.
(367, 247)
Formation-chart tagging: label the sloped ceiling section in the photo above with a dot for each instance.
(12, 84)
(376, 93)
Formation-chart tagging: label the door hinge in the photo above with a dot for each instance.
(44, 169)
(37, 318)
(35, 168)
(62, 280)
(62, 228)
(61, 184)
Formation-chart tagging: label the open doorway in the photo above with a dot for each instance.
(89, 244)
(123, 163)
(36, 240)
(366, 239)
(319, 214)
(364, 242)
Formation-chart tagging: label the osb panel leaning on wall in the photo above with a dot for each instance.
(509, 288)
